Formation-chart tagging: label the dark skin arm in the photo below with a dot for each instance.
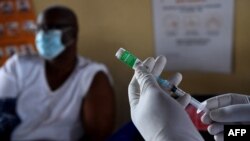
(98, 109)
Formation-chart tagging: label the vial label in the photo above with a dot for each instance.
(128, 58)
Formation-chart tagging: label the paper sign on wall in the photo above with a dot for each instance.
(194, 35)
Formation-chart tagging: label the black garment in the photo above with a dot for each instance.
(8, 118)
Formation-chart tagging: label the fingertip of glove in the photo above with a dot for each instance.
(205, 118)
(161, 58)
(202, 107)
(215, 115)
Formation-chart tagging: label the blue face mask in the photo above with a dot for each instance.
(49, 44)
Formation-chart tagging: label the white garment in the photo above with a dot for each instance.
(46, 114)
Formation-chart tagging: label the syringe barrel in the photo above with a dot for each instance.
(195, 103)
(177, 91)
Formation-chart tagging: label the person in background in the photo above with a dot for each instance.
(60, 95)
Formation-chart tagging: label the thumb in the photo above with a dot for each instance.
(133, 92)
(134, 88)
(233, 113)
(145, 79)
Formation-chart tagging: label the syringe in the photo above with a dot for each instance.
(132, 61)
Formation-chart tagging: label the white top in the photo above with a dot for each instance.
(46, 114)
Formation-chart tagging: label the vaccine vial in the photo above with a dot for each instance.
(128, 58)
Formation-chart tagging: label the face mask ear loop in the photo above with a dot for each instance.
(70, 42)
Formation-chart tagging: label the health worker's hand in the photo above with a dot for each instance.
(158, 116)
(225, 109)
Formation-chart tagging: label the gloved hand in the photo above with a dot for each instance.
(156, 115)
(226, 109)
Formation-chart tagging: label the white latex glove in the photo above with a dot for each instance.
(157, 116)
(226, 109)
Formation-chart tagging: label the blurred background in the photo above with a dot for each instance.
(105, 26)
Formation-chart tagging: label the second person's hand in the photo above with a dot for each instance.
(226, 109)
